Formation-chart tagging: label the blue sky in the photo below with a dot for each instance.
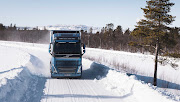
(74, 12)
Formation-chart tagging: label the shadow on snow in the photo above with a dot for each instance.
(96, 71)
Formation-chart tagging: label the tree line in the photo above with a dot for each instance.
(109, 37)
(117, 39)
(13, 33)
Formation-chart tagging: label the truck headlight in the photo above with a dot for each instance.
(55, 71)
(79, 69)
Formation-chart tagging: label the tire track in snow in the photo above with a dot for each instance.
(90, 87)
(48, 88)
(62, 87)
(70, 90)
(82, 90)
(75, 88)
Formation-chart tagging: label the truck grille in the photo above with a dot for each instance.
(67, 70)
(67, 66)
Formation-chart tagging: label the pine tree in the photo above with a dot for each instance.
(127, 32)
(109, 26)
(2, 27)
(118, 31)
(11, 25)
(152, 30)
(14, 27)
(25, 28)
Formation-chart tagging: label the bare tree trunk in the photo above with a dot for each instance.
(156, 63)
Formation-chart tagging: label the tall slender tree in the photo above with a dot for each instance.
(152, 30)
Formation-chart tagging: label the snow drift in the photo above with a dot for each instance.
(17, 83)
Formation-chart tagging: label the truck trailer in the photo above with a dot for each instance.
(66, 50)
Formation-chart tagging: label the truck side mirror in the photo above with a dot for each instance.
(84, 50)
(50, 48)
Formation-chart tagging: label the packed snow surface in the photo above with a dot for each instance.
(25, 77)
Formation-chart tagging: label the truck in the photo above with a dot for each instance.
(66, 52)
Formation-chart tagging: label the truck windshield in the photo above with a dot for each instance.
(67, 48)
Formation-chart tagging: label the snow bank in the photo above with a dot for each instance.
(24, 87)
(136, 63)
(37, 63)
(11, 62)
(23, 45)
(20, 76)
(127, 86)
(12, 58)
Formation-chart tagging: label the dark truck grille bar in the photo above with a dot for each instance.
(54, 32)
(67, 38)
(67, 66)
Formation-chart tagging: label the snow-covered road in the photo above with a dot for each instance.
(70, 90)
(85, 89)
(28, 80)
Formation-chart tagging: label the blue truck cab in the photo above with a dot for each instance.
(66, 50)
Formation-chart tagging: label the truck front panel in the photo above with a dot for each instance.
(65, 48)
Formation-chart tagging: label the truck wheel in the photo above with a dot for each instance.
(52, 76)
(79, 77)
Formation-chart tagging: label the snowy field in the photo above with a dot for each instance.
(25, 77)
(141, 65)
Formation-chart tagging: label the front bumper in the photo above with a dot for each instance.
(68, 75)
